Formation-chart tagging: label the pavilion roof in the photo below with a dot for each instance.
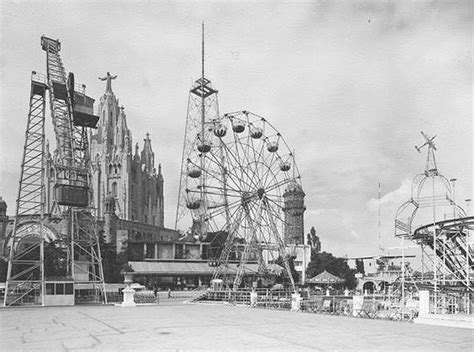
(325, 278)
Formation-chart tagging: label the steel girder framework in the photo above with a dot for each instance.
(79, 242)
(453, 249)
(26, 245)
(203, 106)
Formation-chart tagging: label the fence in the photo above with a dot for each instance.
(449, 303)
(371, 307)
(265, 297)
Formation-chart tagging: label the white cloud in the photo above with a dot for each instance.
(395, 197)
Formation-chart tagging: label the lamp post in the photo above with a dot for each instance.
(453, 195)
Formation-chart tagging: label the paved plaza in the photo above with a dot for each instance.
(173, 325)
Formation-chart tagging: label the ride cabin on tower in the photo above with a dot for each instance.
(46, 265)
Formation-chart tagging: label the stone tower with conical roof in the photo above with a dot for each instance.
(129, 177)
(294, 214)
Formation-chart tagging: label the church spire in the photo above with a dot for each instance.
(147, 155)
(121, 130)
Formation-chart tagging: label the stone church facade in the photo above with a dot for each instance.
(128, 176)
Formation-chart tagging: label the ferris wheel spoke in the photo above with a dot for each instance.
(222, 209)
(279, 206)
(234, 218)
(258, 157)
(219, 162)
(219, 179)
(220, 193)
(274, 228)
(258, 219)
(244, 165)
(272, 191)
(273, 214)
(234, 178)
(245, 146)
(273, 160)
(235, 156)
(245, 179)
(276, 224)
(250, 155)
(216, 175)
(278, 185)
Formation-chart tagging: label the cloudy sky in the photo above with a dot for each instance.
(349, 84)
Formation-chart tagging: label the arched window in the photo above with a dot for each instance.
(114, 189)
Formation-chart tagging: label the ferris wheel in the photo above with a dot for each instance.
(237, 175)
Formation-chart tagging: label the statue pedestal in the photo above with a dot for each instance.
(128, 294)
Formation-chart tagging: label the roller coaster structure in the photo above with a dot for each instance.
(432, 219)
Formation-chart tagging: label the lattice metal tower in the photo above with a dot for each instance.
(72, 115)
(203, 107)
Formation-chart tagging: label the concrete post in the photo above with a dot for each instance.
(128, 292)
(295, 301)
(253, 298)
(424, 302)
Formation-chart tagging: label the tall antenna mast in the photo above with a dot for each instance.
(203, 115)
(380, 220)
(202, 51)
(203, 108)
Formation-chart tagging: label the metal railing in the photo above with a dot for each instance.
(370, 306)
(447, 303)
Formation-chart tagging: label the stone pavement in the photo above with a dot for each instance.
(183, 327)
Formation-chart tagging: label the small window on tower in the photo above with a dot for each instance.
(114, 189)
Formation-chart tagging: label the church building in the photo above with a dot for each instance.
(128, 175)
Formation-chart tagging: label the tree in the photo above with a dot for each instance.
(334, 265)
(284, 275)
(3, 269)
(55, 259)
(112, 262)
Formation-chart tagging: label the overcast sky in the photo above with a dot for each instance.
(349, 85)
